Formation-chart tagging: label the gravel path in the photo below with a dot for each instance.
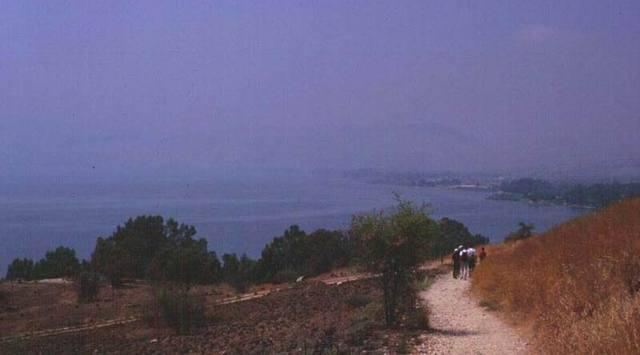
(461, 326)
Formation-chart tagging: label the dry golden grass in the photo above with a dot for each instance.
(577, 286)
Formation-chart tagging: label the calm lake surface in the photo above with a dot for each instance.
(235, 215)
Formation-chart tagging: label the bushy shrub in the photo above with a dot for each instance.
(88, 286)
(177, 309)
(395, 245)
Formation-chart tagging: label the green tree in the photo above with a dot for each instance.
(112, 260)
(61, 262)
(394, 245)
(525, 230)
(452, 234)
(20, 269)
(327, 250)
(128, 252)
(297, 253)
(185, 261)
(239, 273)
(285, 253)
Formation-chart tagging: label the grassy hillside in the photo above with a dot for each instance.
(577, 287)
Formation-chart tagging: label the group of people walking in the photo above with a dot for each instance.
(464, 261)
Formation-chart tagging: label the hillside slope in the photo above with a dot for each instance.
(575, 287)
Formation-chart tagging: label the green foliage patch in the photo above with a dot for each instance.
(394, 245)
(177, 309)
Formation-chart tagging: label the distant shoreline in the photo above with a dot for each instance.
(511, 197)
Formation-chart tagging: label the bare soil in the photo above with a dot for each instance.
(311, 317)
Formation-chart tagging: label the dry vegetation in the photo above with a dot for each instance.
(576, 287)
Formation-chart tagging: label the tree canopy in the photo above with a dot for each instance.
(452, 234)
(61, 262)
(297, 253)
(148, 247)
(20, 269)
(395, 245)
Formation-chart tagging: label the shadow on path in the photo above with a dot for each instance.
(453, 332)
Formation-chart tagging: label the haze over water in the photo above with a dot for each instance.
(238, 215)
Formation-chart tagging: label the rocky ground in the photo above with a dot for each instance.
(310, 318)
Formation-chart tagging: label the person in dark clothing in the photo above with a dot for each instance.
(456, 263)
(471, 253)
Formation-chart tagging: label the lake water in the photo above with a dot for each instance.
(235, 215)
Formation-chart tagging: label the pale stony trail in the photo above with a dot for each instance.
(460, 326)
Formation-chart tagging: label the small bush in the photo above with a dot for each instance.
(88, 286)
(490, 305)
(363, 323)
(4, 298)
(176, 309)
(425, 282)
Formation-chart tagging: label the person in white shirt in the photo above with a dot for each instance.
(472, 259)
(464, 264)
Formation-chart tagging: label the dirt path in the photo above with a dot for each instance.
(67, 330)
(461, 326)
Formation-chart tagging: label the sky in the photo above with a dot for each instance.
(114, 89)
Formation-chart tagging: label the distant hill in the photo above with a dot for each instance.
(580, 278)
(620, 170)
(592, 195)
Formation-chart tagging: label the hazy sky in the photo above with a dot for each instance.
(112, 89)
